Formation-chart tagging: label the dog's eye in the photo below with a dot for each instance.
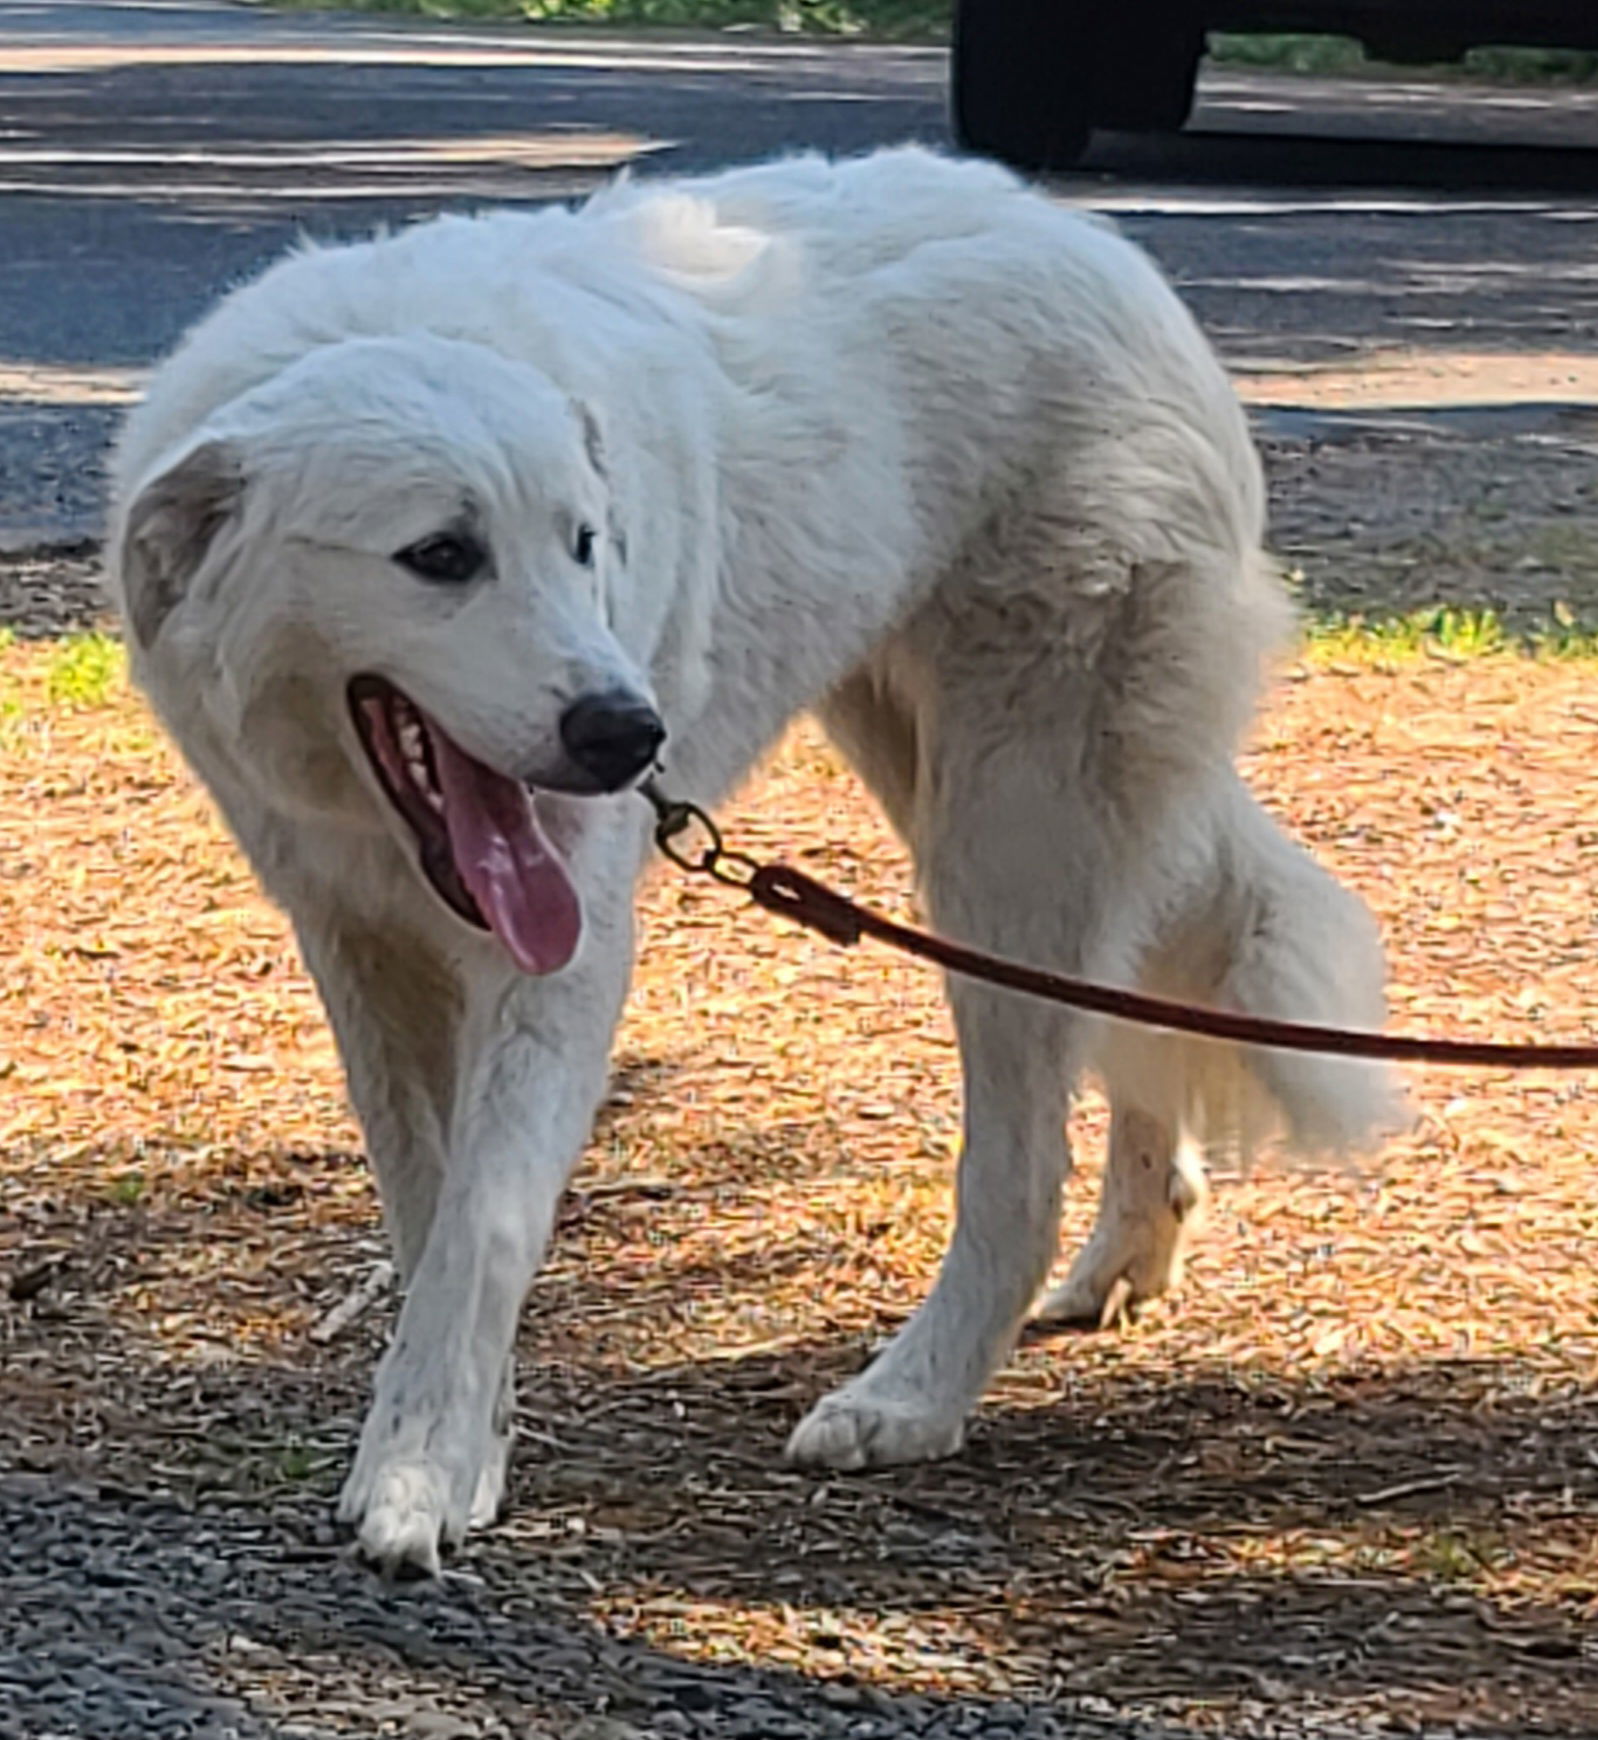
(583, 546)
(446, 558)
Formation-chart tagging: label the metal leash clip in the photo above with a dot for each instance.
(675, 818)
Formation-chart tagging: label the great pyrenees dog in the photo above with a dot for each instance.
(431, 548)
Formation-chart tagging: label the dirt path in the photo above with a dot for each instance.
(1347, 1485)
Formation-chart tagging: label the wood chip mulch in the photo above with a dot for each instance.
(1354, 1468)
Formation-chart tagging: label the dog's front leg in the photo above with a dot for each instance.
(532, 1069)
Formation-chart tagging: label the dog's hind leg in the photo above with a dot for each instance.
(1247, 921)
(1012, 859)
(1151, 1203)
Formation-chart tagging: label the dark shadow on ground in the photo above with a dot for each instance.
(1203, 1535)
(52, 590)
(1205, 158)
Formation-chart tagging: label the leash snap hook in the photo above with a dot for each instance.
(678, 824)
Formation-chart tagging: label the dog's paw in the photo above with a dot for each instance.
(403, 1512)
(1088, 1299)
(852, 1429)
(488, 1501)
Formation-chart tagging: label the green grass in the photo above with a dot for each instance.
(1284, 53)
(128, 1191)
(895, 20)
(1443, 633)
(297, 1461)
(1451, 1556)
(1333, 55)
(84, 670)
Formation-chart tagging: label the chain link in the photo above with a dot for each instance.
(676, 818)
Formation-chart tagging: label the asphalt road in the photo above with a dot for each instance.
(153, 153)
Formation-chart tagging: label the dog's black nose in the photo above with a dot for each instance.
(612, 738)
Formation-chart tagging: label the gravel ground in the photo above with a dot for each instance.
(143, 1616)
(42, 463)
(53, 591)
(1384, 512)
(253, 1624)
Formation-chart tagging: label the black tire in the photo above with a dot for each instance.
(1145, 76)
(1019, 74)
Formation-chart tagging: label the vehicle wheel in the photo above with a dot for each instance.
(1145, 75)
(1019, 72)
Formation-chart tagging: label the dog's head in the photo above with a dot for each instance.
(380, 589)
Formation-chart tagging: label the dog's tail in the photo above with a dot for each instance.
(1252, 923)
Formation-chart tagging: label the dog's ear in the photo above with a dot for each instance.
(170, 527)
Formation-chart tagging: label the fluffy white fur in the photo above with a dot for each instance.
(896, 439)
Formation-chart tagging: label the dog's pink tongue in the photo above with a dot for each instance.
(510, 869)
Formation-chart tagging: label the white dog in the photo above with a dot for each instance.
(430, 547)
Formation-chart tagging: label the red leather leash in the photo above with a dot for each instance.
(791, 894)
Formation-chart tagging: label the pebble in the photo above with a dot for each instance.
(440, 1725)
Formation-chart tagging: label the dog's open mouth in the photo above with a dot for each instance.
(482, 846)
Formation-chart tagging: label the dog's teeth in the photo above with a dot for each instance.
(411, 737)
(421, 777)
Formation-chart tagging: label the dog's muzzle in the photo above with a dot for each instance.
(611, 739)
